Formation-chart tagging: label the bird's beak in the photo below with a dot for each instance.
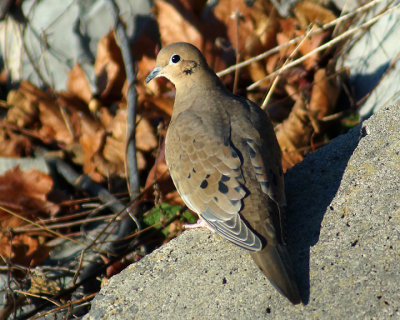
(153, 74)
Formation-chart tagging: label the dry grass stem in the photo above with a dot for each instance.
(327, 45)
(275, 82)
(294, 40)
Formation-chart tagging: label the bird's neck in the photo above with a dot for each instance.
(193, 90)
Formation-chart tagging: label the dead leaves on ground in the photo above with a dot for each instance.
(87, 123)
(24, 194)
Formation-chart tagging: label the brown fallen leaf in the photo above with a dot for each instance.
(55, 123)
(290, 30)
(92, 135)
(145, 137)
(295, 134)
(14, 145)
(308, 12)
(39, 112)
(324, 94)
(78, 85)
(41, 284)
(25, 193)
(185, 26)
(109, 69)
(23, 111)
(163, 188)
(23, 249)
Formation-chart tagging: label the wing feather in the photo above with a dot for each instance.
(206, 171)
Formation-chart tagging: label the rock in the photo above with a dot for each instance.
(344, 236)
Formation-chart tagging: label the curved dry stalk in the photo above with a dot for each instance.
(25, 293)
(42, 227)
(327, 45)
(64, 225)
(299, 38)
(275, 82)
(64, 306)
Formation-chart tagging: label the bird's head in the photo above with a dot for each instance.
(180, 62)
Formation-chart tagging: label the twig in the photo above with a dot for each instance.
(68, 291)
(67, 121)
(56, 222)
(123, 42)
(84, 182)
(66, 305)
(10, 307)
(71, 175)
(76, 275)
(95, 273)
(24, 229)
(161, 224)
(44, 268)
(329, 44)
(25, 293)
(237, 53)
(55, 233)
(275, 82)
(299, 38)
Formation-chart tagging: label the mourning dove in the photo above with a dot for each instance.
(225, 161)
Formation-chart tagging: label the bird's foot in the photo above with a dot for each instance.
(199, 224)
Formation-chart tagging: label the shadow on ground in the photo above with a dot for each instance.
(310, 188)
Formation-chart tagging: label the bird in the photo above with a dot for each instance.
(225, 161)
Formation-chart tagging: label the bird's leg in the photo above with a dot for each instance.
(199, 224)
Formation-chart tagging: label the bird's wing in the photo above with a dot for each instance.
(206, 169)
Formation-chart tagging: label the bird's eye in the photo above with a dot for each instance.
(175, 58)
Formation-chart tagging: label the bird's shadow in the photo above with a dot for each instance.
(310, 188)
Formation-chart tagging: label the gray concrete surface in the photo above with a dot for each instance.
(344, 228)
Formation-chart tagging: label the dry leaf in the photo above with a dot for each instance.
(109, 69)
(253, 24)
(177, 23)
(308, 12)
(194, 24)
(324, 94)
(159, 184)
(92, 135)
(54, 123)
(40, 284)
(78, 84)
(115, 143)
(145, 137)
(295, 133)
(13, 145)
(25, 193)
(23, 111)
(33, 108)
(23, 249)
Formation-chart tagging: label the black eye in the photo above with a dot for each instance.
(175, 58)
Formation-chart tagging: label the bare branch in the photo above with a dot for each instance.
(123, 42)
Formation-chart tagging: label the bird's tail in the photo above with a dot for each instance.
(277, 266)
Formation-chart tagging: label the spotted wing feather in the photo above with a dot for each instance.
(206, 171)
